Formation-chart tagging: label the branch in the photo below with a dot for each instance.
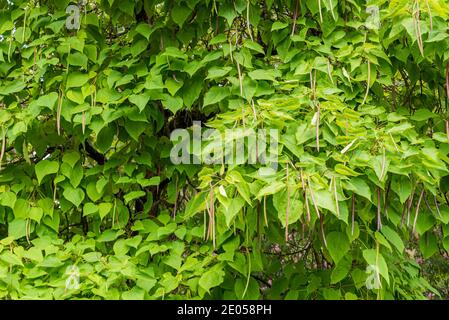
(93, 153)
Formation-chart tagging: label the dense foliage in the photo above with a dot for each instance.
(359, 197)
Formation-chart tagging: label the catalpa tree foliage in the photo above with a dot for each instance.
(352, 195)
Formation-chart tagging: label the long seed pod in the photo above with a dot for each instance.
(386, 194)
(58, 113)
(3, 148)
(410, 202)
(230, 51)
(321, 13)
(353, 214)
(447, 79)
(265, 210)
(254, 112)
(384, 163)
(83, 122)
(430, 15)
(329, 72)
(248, 24)
(379, 218)
(114, 213)
(307, 205)
(34, 59)
(26, 154)
(249, 274)
(24, 24)
(175, 207)
(205, 220)
(331, 5)
(437, 206)
(302, 180)
(54, 191)
(322, 231)
(417, 25)
(209, 213)
(394, 142)
(311, 85)
(404, 210)
(417, 210)
(317, 128)
(313, 198)
(287, 211)
(240, 79)
(212, 216)
(447, 130)
(295, 17)
(367, 83)
(28, 230)
(336, 196)
(305, 196)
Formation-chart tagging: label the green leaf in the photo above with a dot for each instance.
(71, 158)
(12, 87)
(76, 79)
(337, 245)
(197, 204)
(381, 240)
(145, 30)
(104, 139)
(253, 46)
(135, 293)
(17, 228)
(393, 237)
(133, 195)
(110, 235)
(359, 186)
(227, 11)
(135, 129)
(77, 59)
(261, 74)
(36, 214)
(48, 100)
(278, 25)
(428, 245)
(140, 100)
(74, 195)
(215, 95)
(10, 258)
(192, 90)
(271, 189)
(173, 85)
(92, 192)
(89, 208)
(104, 208)
(8, 199)
(341, 270)
(402, 186)
(295, 209)
(374, 258)
(44, 168)
(180, 13)
(235, 206)
(21, 209)
(218, 72)
(172, 103)
(212, 278)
